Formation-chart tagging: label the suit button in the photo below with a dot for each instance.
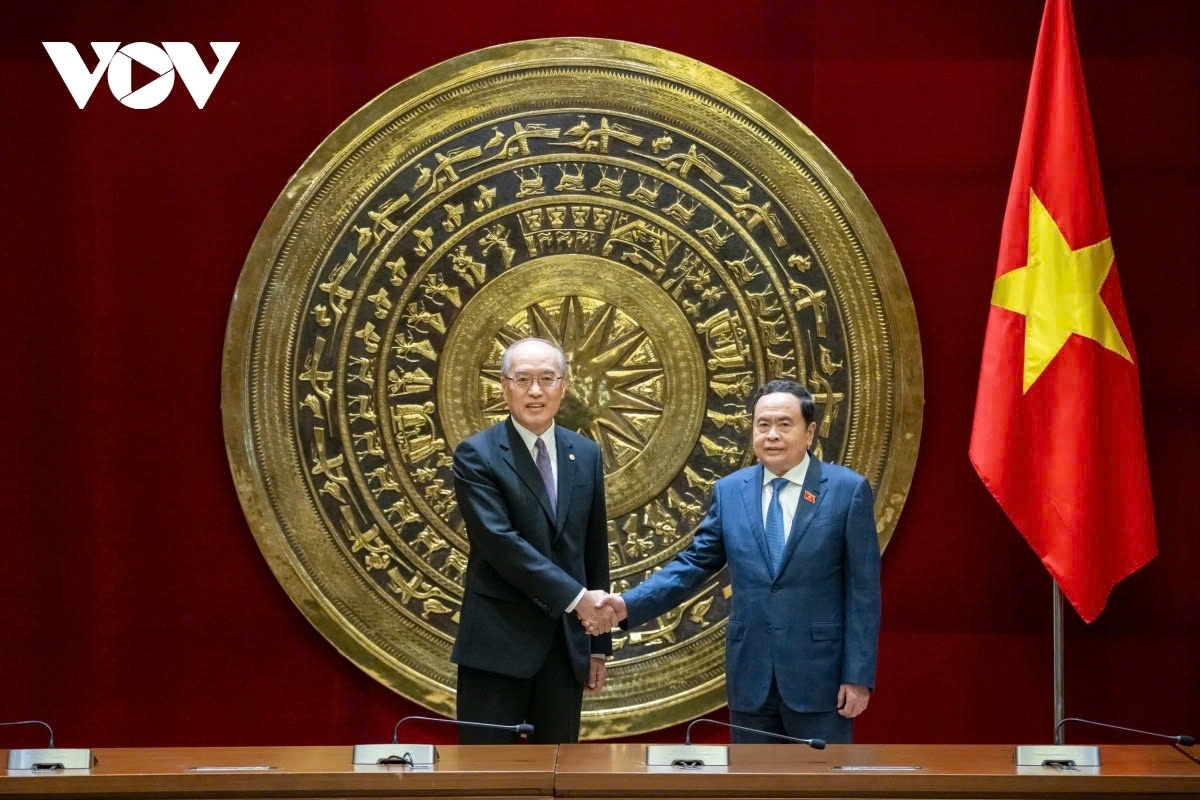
(774, 588)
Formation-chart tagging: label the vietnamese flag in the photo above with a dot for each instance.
(1058, 437)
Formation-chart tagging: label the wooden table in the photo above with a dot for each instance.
(945, 771)
(600, 771)
(522, 771)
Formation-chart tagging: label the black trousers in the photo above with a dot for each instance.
(551, 701)
(774, 716)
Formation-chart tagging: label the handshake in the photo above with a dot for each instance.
(599, 612)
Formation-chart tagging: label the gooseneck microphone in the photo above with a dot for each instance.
(816, 744)
(50, 757)
(33, 722)
(420, 755)
(520, 728)
(1186, 741)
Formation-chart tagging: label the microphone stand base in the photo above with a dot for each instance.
(413, 755)
(687, 756)
(1057, 755)
(50, 759)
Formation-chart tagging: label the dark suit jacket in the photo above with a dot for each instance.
(814, 625)
(525, 566)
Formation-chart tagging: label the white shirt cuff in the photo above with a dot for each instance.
(575, 602)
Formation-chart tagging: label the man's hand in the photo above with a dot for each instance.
(596, 676)
(597, 618)
(617, 604)
(852, 700)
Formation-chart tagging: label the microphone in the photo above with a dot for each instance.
(1186, 741)
(816, 744)
(50, 757)
(420, 755)
(33, 722)
(521, 728)
(699, 756)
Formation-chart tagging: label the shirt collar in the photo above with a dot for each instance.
(794, 475)
(530, 438)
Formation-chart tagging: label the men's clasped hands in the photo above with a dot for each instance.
(599, 612)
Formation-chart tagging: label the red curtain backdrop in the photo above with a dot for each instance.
(135, 606)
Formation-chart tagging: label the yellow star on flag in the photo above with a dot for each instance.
(1058, 292)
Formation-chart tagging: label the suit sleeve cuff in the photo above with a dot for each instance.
(575, 602)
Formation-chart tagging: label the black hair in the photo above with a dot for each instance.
(807, 406)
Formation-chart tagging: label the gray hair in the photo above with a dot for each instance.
(506, 359)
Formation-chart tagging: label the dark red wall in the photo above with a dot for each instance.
(135, 608)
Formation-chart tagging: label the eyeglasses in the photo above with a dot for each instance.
(524, 382)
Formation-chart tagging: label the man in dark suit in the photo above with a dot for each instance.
(798, 536)
(532, 496)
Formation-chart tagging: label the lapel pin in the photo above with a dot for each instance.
(571, 456)
(810, 497)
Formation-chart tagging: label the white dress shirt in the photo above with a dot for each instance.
(530, 439)
(789, 495)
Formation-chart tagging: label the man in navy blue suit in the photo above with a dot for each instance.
(798, 536)
(532, 497)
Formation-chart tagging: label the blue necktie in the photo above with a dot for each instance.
(775, 524)
(543, 465)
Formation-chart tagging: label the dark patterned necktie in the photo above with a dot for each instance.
(543, 465)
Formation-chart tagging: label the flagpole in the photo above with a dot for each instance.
(1058, 664)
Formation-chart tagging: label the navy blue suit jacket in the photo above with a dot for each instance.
(815, 624)
(526, 565)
